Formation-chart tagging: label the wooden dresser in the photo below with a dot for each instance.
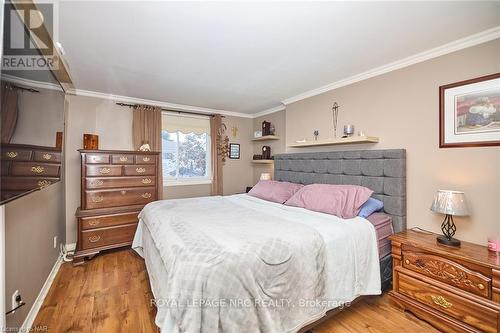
(26, 167)
(454, 289)
(115, 186)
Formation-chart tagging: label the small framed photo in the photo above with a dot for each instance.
(469, 113)
(234, 151)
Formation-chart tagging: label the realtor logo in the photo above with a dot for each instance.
(28, 35)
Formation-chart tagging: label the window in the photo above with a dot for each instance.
(185, 149)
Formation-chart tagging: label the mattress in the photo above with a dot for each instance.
(383, 228)
(352, 258)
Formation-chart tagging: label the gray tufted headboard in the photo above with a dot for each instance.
(383, 171)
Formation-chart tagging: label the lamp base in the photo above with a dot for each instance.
(449, 242)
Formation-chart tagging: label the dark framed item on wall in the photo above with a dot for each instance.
(234, 151)
(469, 113)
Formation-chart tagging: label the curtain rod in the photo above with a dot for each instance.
(163, 109)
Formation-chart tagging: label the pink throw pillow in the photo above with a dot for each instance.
(343, 201)
(274, 191)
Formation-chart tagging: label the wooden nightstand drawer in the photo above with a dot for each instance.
(448, 271)
(451, 304)
(102, 237)
(95, 222)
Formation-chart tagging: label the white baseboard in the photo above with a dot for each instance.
(70, 247)
(30, 318)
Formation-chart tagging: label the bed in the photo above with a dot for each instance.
(238, 263)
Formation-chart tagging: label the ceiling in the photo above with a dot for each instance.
(249, 56)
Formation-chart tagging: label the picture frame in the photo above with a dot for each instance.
(469, 113)
(234, 151)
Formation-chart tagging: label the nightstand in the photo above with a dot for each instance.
(454, 289)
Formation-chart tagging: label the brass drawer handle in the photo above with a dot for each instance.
(104, 170)
(123, 159)
(480, 286)
(44, 183)
(146, 159)
(11, 154)
(146, 181)
(94, 239)
(407, 261)
(97, 199)
(146, 195)
(97, 183)
(47, 156)
(37, 169)
(441, 301)
(94, 223)
(140, 170)
(123, 192)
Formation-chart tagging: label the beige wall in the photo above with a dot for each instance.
(31, 223)
(113, 124)
(401, 108)
(40, 117)
(277, 146)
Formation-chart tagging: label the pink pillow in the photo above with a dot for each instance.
(344, 201)
(274, 191)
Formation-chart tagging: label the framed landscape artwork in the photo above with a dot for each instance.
(469, 113)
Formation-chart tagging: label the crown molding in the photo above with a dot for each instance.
(166, 105)
(31, 83)
(269, 111)
(463, 43)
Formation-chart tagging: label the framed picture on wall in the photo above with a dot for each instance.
(234, 151)
(469, 113)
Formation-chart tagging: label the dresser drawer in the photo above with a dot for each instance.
(16, 154)
(26, 183)
(122, 159)
(121, 197)
(144, 159)
(455, 306)
(34, 169)
(448, 271)
(103, 170)
(108, 220)
(47, 156)
(97, 158)
(96, 183)
(108, 236)
(139, 170)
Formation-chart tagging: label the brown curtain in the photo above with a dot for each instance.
(146, 128)
(9, 112)
(215, 127)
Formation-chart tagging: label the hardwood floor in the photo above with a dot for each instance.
(111, 294)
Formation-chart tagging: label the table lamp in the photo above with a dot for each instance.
(265, 176)
(451, 203)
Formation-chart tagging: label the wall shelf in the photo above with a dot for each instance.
(340, 141)
(263, 161)
(266, 137)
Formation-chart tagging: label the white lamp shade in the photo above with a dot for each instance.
(265, 176)
(450, 202)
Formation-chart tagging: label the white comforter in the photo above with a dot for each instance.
(348, 257)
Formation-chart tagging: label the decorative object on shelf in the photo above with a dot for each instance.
(272, 131)
(90, 141)
(451, 203)
(494, 244)
(145, 147)
(335, 113)
(266, 176)
(266, 128)
(348, 130)
(257, 134)
(361, 133)
(469, 113)
(266, 152)
(316, 134)
(234, 151)
(222, 142)
(234, 131)
(257, 157)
